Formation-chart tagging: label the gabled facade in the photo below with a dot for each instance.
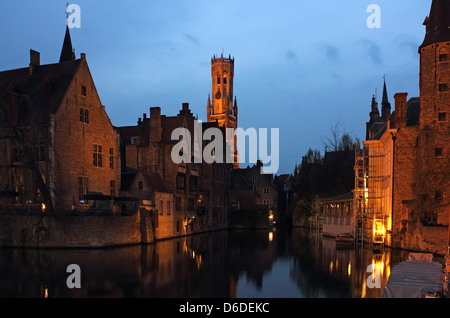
(58, 144)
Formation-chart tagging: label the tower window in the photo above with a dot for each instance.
(443, 57)
(225, 80)
(442, 116)
(443, 87)
(218, 80)
(439, 151)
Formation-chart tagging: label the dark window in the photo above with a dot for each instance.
(193, 183)
(224, 80)
(98, 156)
(83, 184)
(443, 87)
(438, 196)
(84, 115)
(83, 90)
(181, 181)
(16, 154)
(168, 207)
(178, 204)
(218, 80)
(442, 116)
(140, 185)
(439, 151)
(112, 187)
(443, 57)
(111, 158)
(39, 148)
(161, 207)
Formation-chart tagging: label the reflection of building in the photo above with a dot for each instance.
(57, 142)
(338, 217)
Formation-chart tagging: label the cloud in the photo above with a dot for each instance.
(331, 52)
(410, 43)
(372, 50)
(291, 55)
(192, 38)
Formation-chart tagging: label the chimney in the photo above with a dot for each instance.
(155, 124)
(400, 110)
(35, 60)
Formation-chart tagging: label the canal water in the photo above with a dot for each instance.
(278, 263)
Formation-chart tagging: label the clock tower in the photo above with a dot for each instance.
(222, 107)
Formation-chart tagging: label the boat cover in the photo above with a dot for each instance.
(415, 278)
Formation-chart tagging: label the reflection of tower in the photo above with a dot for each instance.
(222, 109)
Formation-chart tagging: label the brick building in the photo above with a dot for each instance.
(57, 142)
(199, 189)
(252, 190)
(402, 174)
(421, 155)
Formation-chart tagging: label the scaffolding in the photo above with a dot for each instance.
(369, 199)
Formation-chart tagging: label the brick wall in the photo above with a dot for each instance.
(74, 142)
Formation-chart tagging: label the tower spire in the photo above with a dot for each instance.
(437, 23)
(67, 53)
(385, 105)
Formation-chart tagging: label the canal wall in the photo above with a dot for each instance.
(430, 239)
(89, 231)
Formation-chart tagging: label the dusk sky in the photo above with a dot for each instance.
(300, 66)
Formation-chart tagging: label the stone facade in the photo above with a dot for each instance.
(58, 144)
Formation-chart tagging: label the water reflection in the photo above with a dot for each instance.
(246, 263)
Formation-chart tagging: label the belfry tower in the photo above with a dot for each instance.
(222, 108)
